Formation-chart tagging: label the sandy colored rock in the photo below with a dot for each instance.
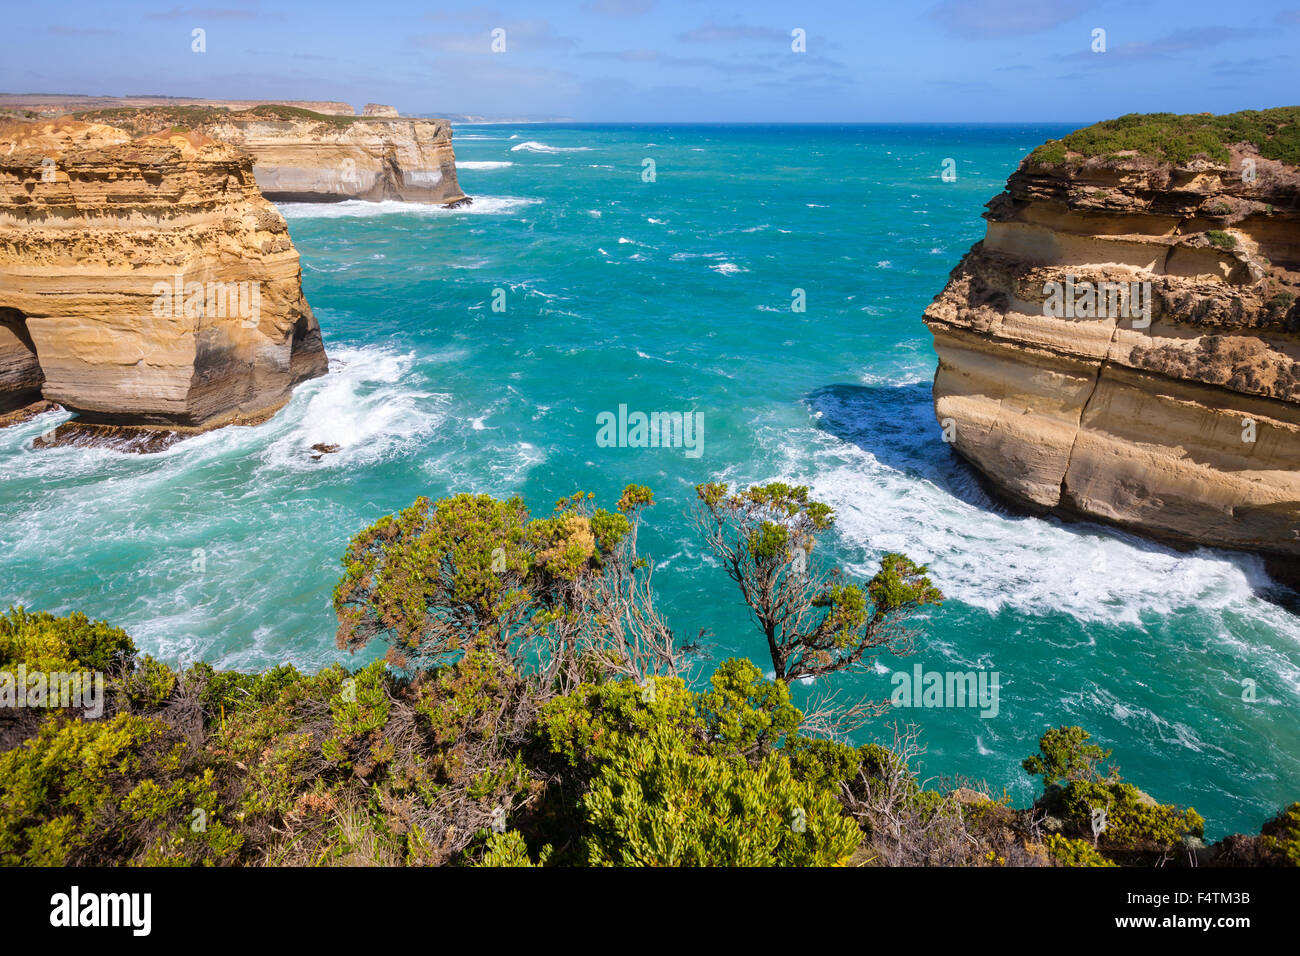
(1188, 429)
(145, 281)
(302, 156)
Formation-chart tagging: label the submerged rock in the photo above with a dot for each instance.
(140, 441)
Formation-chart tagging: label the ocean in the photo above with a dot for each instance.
(668, 286)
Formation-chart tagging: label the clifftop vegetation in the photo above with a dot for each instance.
(152, 118)
(1178, 138)
(534, 709)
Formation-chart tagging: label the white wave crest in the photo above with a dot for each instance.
(370, 407)
(532, 146)
(482, 205)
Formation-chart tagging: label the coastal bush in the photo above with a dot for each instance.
(1281, 835)
(566, 595)
(281, 111)
(122, 790)
(532, 712)
(1124, 823)
(374, 767)
(1133, 820)
(1067, 851)
(720, 776)
(47, 643)
(815, 623)
(1179, 138)
(657, 803)
(1065, 756)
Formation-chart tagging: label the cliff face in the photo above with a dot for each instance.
(1173, 408)
(301, 156)
(146, 282)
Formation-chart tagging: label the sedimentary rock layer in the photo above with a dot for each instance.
(301, 156)
(145, 282)
(1186, 428)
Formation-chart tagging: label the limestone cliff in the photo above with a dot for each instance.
(145, 282)
(303, 156)
(1175, 414)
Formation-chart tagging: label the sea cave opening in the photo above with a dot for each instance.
(21, 376)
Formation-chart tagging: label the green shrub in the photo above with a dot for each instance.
(1073, 852)
(47, 643)
(123, 789)
(656, 803)
(1281, 835)
(1222, 240)
(1065, 756)
(1134, 822)
(510, 849)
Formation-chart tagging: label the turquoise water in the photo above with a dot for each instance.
(675, 295)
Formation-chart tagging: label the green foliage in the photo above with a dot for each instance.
(1065, 756)
(1069, 851)
(1177, 139)
(675, 777)
(822, 763)
(1281, 835)
(740, 715)
(658, 803)
(765, 537)
(81, 791)
(47, 643)
(280, 111)
(770, 542)
(510, 849)
(360, 711)
(1222, 240)
(228, 691)
(1051, 153)
(54, 786)
(901, 583)
(1134, 822)
(152, 684)
(435, 578)
(430, 578)
(743, 713)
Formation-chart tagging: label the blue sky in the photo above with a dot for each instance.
(677, 60)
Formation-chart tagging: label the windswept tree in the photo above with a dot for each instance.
(567, 592)
(815, 621)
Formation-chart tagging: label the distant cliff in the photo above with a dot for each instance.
(145, 282)
(1124, 344)
(303, 156)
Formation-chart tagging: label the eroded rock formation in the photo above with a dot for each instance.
(1186, 429)
(145, 282)
(302, 156)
